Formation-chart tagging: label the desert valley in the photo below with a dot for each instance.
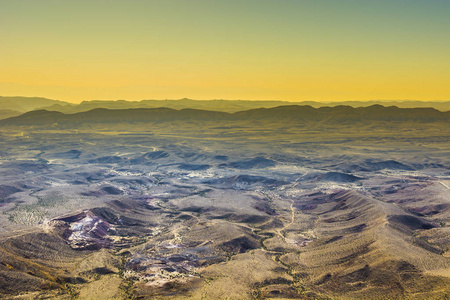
(290, 202)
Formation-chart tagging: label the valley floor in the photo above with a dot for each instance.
(205, 211)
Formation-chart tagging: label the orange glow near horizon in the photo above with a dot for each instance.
(254, 50)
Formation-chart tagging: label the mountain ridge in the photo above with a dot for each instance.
(293, 113)
(23, 104)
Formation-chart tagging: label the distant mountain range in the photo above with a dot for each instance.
(24, 104)
(13, 106)
(291, 113)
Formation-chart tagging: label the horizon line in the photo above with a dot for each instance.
(221, 99)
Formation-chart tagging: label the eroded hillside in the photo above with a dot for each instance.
(215, 210)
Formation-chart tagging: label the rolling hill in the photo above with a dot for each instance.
(292, 113)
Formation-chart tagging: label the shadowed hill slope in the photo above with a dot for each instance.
(359, 251)
(338, 114)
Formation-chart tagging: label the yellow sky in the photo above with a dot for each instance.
(258, 50)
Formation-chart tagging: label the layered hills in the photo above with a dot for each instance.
(295, 113)
(231, 105)
(24, 104)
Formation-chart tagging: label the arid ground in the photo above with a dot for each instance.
(244, 209)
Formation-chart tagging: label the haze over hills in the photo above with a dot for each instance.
(17, 105)
(24, 104)
(7, 113)
(292, 113)
(232, 105)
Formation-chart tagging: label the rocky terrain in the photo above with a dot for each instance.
(285, 203)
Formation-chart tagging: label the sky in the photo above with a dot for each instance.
(293, 50)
